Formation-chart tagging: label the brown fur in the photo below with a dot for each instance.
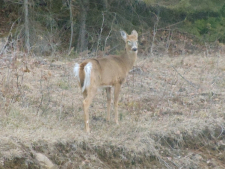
(108, 71)
(81, 73)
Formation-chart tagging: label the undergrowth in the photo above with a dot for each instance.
(171, 116)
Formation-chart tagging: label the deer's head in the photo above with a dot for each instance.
(130, 40)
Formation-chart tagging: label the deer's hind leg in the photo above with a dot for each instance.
(90, 93)
(84, 94)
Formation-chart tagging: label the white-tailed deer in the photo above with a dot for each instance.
(107, 72)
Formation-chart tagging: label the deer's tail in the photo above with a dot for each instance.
(84, 77)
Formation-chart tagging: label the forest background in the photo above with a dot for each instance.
(46, 26)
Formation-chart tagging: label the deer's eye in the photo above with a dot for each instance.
(129, 42)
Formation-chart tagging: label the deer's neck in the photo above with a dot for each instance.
(130, 58)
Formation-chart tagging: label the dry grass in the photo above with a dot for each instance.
(171, 114)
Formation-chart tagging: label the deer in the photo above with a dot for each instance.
(106, 72)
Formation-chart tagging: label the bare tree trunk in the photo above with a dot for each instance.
(154, 34)
(71, 25)
(27, 34)
(82, 45)
(99, 37)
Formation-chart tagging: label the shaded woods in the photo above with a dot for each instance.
(45, 27)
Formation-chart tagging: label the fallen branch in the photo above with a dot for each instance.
(189, 82)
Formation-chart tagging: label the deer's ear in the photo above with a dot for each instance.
(134, 32)
(124, 35)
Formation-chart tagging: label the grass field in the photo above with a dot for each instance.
(171, 113)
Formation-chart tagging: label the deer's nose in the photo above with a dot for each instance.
(134, 49)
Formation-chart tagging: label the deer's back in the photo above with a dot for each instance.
(108, 70)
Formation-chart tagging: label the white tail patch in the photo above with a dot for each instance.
(87, 79)
(76, 70)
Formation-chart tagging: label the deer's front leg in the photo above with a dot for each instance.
(108, 94)
(116, 97)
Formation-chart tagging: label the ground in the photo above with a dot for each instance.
(171, 113)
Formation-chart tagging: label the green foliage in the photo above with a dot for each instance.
(206, 5)
(222, 11)
(210, 29)
(183, 5)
